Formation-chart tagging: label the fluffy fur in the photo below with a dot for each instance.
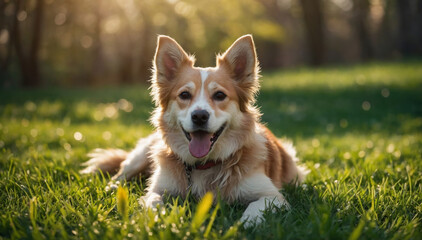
(252, 163)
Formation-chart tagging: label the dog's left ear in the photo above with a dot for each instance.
(169, 57)
(241, 60)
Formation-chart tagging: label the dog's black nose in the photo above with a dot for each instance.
(200, 117)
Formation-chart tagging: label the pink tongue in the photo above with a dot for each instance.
(200, 144)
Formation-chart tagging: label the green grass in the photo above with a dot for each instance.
(358, 129)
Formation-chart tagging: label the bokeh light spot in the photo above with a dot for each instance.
(366, 106)
(347, 155)
(344, 123)
(385, 92)
(98, 115)
(107, 135)
(67, 147)
(360, 79)
(30, 106)
(390, 148)
(4, 36)
(78, 136)
(25, 122)
(125, 105)
(59, 132)
(112, 24)
(86, 41)
(22, 16)
(60, 19)
(315, 143)
(111, 111)
(34, 132)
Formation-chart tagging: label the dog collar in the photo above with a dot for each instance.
(199, 166)
(206, 165)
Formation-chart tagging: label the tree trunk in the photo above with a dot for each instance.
(419, 26)
(97, 73)
(313, 20)
(405, 29)
(275, 13)
(126, 67)
(146, 47)
(5, 23)
(360, 20)
(31, 76)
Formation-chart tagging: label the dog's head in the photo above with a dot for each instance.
(204, 113)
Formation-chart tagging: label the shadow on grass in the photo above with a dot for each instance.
(306, 112)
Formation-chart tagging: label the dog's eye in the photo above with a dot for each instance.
(219, 96)
(185, 95)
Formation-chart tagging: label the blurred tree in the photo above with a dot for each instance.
(405, 26)
(410, 27)
(146, 42)
(98, 66)
(314, 26)
(275, 13)
(77, 42)
(419, 25)
(6, 38)
(29, 58)
(361, 25)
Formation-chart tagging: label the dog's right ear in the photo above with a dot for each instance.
(169, 57)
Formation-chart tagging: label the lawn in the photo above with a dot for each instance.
(358, 129)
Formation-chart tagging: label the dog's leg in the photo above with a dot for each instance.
(138, 161)
(162, 181)
(259, 185)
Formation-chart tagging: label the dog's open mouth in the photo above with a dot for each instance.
(201, 142)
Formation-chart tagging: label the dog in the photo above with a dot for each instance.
(208, 135)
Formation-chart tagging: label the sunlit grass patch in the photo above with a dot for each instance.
(358, 129)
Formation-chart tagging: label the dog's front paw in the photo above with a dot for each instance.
(151, 200)
(252, 215)
(250, 219)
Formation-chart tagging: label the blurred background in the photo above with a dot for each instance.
(112, 42)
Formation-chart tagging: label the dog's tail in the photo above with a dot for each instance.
(105, 160)
(296, 172)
